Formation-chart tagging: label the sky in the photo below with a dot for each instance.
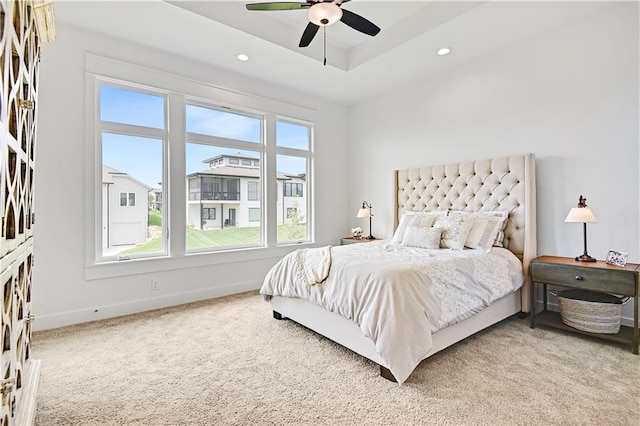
(125, 152)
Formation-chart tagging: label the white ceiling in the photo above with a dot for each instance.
(358, 66)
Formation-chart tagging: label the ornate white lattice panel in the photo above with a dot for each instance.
(19, 59)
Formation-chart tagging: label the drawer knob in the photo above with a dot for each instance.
(578, 278)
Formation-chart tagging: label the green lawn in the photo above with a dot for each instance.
(223, 237)
(155, 218)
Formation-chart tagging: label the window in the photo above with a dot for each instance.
(253, 191)
(293, 157)
(225, 206)
(254, 215)
(293, 189)
(223, 124)
(237, 224)
(208, 213)
(292, 135)
(127, 199)
(131, 133)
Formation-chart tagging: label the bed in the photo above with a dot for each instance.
(407, 277)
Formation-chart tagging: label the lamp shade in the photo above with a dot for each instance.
(364, 212)
(323, 14)
(580, 214)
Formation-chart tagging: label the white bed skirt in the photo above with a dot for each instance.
(348, 334)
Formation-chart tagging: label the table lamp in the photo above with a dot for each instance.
(582, 214)
(365, 211)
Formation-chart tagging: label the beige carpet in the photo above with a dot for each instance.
(227, 362)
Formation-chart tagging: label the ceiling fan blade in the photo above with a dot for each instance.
(359, 23)
(308, 34)
(278, 5)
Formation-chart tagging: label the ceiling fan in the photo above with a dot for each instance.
(322, 13)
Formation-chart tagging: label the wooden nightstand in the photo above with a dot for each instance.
(351, 240)
(597, 276)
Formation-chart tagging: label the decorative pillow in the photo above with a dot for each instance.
(423, 237)
(484, 232)
(455, 229)
(409, 218)
(489, 214)
(500, 215)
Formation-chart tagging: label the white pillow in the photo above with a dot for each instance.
(484, 232)
(423, 237)
(408, 218)
(500, 215)
(455, 229)
(489, 214)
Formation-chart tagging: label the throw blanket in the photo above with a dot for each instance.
(312, 265)
(399, 295)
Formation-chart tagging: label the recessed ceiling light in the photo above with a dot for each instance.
(443, 51)
(242, 57)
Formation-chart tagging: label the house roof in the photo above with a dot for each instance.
(238, 155)
(236, 172)
(109, 172)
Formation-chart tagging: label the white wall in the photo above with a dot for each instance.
(570, 96)
(64, 292)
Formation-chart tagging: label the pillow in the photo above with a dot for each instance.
(423, 237)
(483, 233)
(500, 215)
(489, 214)
(455, 229)
(408, 218)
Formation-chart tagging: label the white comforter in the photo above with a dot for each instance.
(399, 295)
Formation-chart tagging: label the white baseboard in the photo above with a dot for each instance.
(62, 319)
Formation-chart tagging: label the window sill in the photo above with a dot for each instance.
(193, 260)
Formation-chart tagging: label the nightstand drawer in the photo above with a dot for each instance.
(610, 280)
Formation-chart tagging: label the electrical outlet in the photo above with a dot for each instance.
(154, 285)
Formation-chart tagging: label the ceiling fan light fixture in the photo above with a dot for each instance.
(325, 14)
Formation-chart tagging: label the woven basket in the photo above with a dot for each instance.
(590, 311)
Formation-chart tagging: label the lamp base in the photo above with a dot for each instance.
(371, 237)
(586, 258)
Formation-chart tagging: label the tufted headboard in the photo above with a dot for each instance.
(506, 184)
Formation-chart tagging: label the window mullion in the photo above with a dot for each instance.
(270, 189)
(175, 170)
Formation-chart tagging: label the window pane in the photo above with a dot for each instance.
(217, 181)
(131, 170)
(129, 107)
(292, 201)
(290, 135)
(212, 122)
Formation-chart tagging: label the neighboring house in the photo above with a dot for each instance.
(155, 199)
(125, 209)
(228, 194)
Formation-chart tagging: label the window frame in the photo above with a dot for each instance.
(178, 89)
(102, 127)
